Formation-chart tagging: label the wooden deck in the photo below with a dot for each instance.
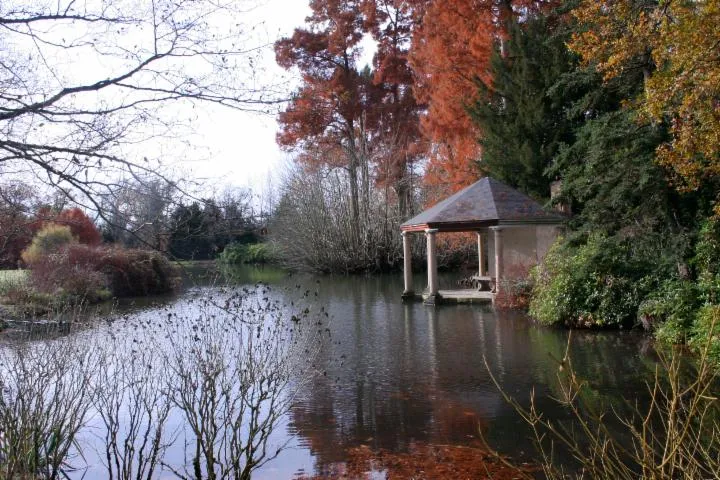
(469, 295)
(466, 296)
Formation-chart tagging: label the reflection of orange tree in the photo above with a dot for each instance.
(424, 461)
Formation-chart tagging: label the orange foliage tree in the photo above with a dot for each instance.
(326, 118)
(363, 121)
(81, 226)
(452, 45)
(676, 44)
(399, 142)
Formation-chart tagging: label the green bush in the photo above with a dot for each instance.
(50, 239)
(707, 261)
(706, 331)
(237, 253)
(671, 310)
(596, 284)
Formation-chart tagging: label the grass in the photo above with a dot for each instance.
(11, 279)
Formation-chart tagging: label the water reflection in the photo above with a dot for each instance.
(393, 375)
(412, 373)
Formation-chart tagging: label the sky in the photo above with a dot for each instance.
(215, 147)
(240, 148)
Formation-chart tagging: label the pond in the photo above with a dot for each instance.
(392, 376)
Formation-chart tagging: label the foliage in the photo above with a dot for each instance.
(452, 46)
(15, 232)
(49, 240)
(11, 280)
(66, 281)
(598, 283)
(350, 118)
(675, 44)
(706, 333)
(82, 228)
(79, 273)
(516, 289)
(132, 272)
(707, 261)
(522, 121)
(671, 309)
(253, 253)
(190, 236)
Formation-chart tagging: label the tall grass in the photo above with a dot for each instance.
(12, 279)
(675, 436)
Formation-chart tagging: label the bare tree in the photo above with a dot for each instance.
(235, 371)
(83, 84)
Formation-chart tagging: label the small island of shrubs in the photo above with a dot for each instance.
(66, 265)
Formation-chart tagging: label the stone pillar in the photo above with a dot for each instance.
(481, 254)
(431, 266)
(407, 266)
(498, 256)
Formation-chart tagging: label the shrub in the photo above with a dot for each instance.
(515, 289)
(12, 280)
(671, 310)
(707, 261)
(50, 239)
(599, 283)
(85, 273)
(706, 332)
(58, 275)
(237, 253)
(80, 225)
(134, 272)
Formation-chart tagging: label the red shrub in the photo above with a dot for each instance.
(55, 274)
(79, 223)
(515, 288)
(83, 270)
(133, 272)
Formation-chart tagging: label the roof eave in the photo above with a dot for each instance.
(471, 226)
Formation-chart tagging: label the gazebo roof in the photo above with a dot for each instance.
(485, 203)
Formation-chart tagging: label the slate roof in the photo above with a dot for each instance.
(485, 203)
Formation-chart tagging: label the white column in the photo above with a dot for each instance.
(481, 254)
(407, 265)
(498, 256)
(432, 262)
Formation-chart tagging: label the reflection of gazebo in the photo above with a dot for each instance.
(522, 232)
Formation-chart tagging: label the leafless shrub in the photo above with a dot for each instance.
(677, 435)
(134, 408)
(45, 399)
(234, 376)
(315, 230)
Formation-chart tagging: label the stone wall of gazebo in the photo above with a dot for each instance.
(522, 247)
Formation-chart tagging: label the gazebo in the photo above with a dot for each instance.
(522, 232)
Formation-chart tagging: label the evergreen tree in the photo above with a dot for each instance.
(190, 233)
(522, 119)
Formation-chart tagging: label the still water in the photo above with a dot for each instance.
(392, 374)
(402, 373)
